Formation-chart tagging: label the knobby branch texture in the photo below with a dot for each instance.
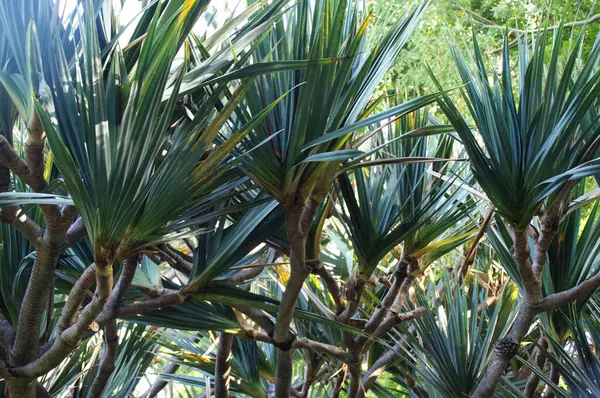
(530, 273)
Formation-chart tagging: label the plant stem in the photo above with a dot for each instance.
(355, 388)
(66, 341)
(223, 365)
(534, 379)
(505, 349)
(48, 252)
(107, 363)
(298, 221)
(554, 378)
(159, 384)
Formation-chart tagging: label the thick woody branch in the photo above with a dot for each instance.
(309, 377)
(298, 220)
(297, 231)
(405, 267)
(77, 294)
(555, 379)
(223, 365)
(245, 275)
(34, 148)
(125, 279)
(7, 334)
(382, 364)
(40, 391)
(299, 342)
(469, 256)
(505, 349)
(548, 229)
(355, 387)
(66, 341)
(534, 379)
(332, 286)
(394, 319)
(578, 292)
(10, 159)
(154, 292)
(174, 259)
(259, 317)
(354, 291)
(14, 216)
(153, 304)
(4, 178)
(48, 251)
(47, 329)
(76, 232)
(521, 255)
(340, 382)
(107, 363)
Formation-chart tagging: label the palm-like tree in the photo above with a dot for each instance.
(184, 169)
(122, 148)
(309, 134)
(526, 149)
(391, 204)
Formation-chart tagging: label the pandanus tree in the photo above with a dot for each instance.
(309, 133)
(132, 158)
(366, 194)
(185, 170)
(414, 209)
(532, 140)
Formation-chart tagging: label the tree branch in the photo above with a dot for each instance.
(354, 291)
(66, 341)
(34, 149)
(125, 279)
(223, 365)
(396, 319)
(340, 382)
(157, 303)
(505, 349)
(160, 383)
(107, 363)
(466, 261)
(590, 20)
(534, 379)
(554, 378)
(48, 251)
(355, 387)
(76, 296)
(332, 286)
(405, 267)
(245, 275)
(309, 375)
(548, 229)
(7, 334)
(174, 259)
(299, 342)
(259, 317)
(14, 216)
(382, 364)
(4, 179)
(486, 23)
(298, 219)
(76, 232)
(578, 292)
(10, 159)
